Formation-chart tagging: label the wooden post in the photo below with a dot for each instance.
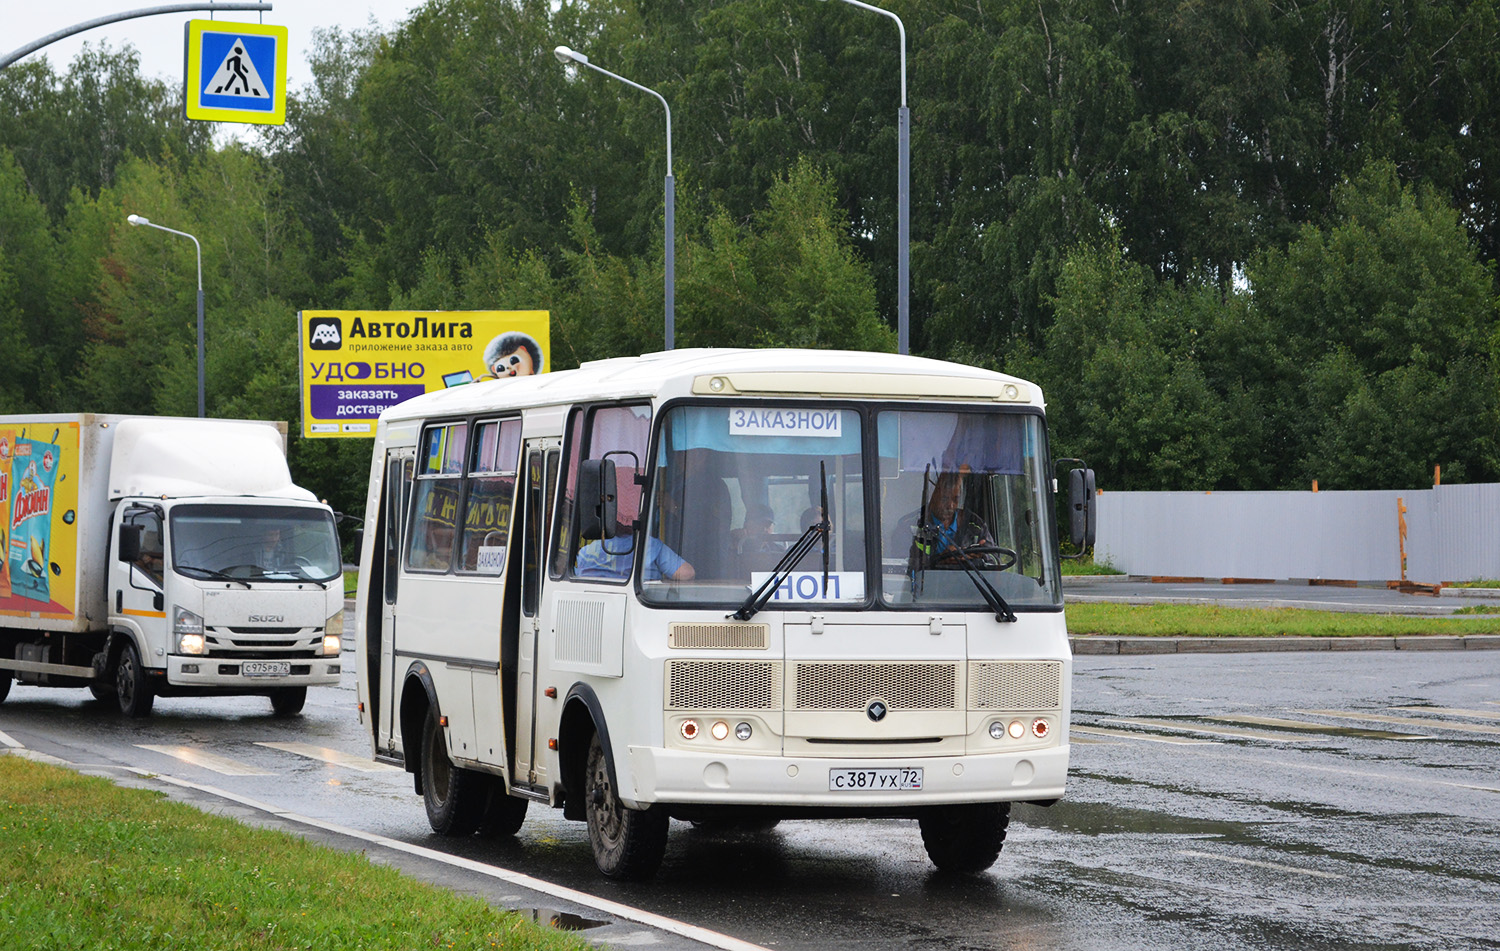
(1437, 476)
(1401, 523)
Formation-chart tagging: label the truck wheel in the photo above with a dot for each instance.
(131, 686)
(965, 839)
(503, 814)
(288, 701)
(4, 685)
(628, 843)
(454, 796)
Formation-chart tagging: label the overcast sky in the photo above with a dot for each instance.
(159, 39)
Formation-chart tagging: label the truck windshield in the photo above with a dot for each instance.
(959, 507)
(254, 542)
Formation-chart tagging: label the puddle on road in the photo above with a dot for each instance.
(1094, 818)
(561, 920)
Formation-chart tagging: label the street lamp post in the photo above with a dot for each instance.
(903, 194)
(565, 56)
(138, 220)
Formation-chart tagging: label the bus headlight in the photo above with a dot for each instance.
(997, 730)
(188, 627)
(719, 730)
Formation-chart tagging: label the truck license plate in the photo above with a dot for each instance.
(266, 668)
(900, 777)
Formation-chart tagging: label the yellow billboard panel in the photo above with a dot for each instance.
(38, 520)
(356, 363)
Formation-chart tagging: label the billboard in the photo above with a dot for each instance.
(356, 363)
(38, 516)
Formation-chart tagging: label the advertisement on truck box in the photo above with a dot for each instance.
(38, 520)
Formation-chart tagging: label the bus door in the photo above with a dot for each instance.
(535, 503)
(380, 637)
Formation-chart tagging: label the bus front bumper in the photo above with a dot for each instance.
(676, 776)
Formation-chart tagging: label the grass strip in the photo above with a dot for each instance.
(1196, 620)
(86, 864)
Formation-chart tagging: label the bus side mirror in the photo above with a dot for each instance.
(359, 543)
(1083, 507)
(597, 504)
(130, 542)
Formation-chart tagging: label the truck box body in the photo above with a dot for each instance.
(67, 484)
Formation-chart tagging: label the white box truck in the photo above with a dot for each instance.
(153, 556)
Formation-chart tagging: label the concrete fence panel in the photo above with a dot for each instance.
(1452, 534)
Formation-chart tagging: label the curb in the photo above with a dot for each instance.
(1090, 644)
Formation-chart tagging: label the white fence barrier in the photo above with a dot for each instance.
(1452, 533)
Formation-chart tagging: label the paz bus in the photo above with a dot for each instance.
(727, 587)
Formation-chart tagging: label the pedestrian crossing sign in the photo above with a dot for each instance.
(235, 72)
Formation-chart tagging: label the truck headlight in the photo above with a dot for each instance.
(188, 627)
(333, 634)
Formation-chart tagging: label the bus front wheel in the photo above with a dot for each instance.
(455, 797)
(628, 843)
(965, 839)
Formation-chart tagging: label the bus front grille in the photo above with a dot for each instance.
(723, 685)
(826, 685)
(1015, 685)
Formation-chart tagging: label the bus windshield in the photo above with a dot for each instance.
(255, 543)
(736, 486)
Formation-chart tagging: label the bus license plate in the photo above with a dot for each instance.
(266, 668)
(900, 777)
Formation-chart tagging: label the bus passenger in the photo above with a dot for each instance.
(597, 560)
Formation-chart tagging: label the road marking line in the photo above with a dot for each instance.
(1323, 728)
(1368, 774)
(640, 916)
(1403, 721)
(1271, 865)
(1453, 712)
(1215, 731)
(1135, 735)
(323, 754)
(5, 739)
(219, 764)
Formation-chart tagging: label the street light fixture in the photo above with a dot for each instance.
(565, 56)
(903, 194)
(137, 220)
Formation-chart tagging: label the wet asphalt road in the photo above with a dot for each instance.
(1308, 801)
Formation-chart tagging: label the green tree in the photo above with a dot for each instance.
(1395, 318)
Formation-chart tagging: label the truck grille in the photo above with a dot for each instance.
(264, 642)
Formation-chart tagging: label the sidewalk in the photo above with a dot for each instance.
(1102, 644)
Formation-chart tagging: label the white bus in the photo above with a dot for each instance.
(721, 586)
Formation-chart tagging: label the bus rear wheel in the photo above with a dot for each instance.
(454, 796)
(965, 839)
(628, 843)
(503, 813)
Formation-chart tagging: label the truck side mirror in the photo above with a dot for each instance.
(130, 542)
(597, 504)
(1083, 507)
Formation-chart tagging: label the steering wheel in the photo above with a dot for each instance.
(981, 552)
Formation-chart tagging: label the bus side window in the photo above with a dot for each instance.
(531, 540)
(434, 517)
(562, 527)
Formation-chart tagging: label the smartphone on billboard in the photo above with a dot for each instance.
(458, 378)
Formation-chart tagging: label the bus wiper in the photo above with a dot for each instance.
(213, 573)
(987, 590)
(789, 561)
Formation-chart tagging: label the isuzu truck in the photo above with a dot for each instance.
(150, 557)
